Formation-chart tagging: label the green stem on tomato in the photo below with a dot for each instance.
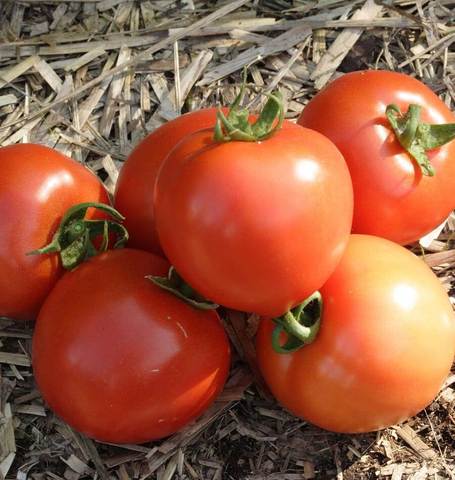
(236, 127)
(175, 284)
(417, 137)
(301, 324)
(73, 239)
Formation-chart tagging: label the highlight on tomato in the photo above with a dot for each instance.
(385, 344)
(135, 186)
(396, 136)
(122, 360)
(257, 217)
(37, 186)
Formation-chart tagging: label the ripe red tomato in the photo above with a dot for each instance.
(120, 359)
(135, 186)
(392, 198)
(385, 344)
(254, 226)
(37, 186)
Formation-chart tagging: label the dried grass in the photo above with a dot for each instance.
(91, 78)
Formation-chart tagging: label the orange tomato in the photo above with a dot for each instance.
(385, 345)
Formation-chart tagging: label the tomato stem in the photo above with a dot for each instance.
(417, 137)
(175, 284)
(73, 238)
(301, 325)
(236, 127)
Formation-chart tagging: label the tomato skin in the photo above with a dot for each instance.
(385, 346)
(239, 220)
(37, 186)
(136, 362)
(392, 199)
(135, 185)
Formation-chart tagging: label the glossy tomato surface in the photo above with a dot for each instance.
(392, 199)
(255, 226)
(37, 186)
(120, 359)
(135, 186)
(385, 345)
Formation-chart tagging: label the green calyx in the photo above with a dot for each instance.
(301, 325)
(417, 137)
(236, 127)
(175, 284)
(74, 238)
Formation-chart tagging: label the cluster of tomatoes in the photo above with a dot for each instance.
(254, 213)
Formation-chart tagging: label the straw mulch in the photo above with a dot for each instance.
(91, 79)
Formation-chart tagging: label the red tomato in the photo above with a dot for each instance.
(385, 345)
(122, 360)
(37, 186)
(392, 198)
(135, 186)
(254, 226)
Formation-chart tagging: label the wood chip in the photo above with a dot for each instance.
(6, 464)
(248, 432)
(447, 396)
(85, 59)
(283, 42)
(122, 473)
(276, 476)
(130, 446)
(124, 117)
(429, 237)
(147, 12)
(192, 74)
(226, 27)
(58, 14)
(407, 434)
(13, 117)
(111, 170)
(446, 40)
(39, 28)
(7, 436)
(89, 449)
(336, 455)
(37, 410)
(15, 359)
(245, 36)
(17, 18)
(189, 5)
(48, 74)
(33, 395)
(107, 4)
(7, 76)
(77, 465)
(121, 459)
(41, 133)
(7, 99)
(89, 104)
(145, 95)
(113, 95)
(440, 258)
(177, 88)
(397, 472)
(343, 43)
(281, 73)
(171, 468)
(236, 327)
(450, 380)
